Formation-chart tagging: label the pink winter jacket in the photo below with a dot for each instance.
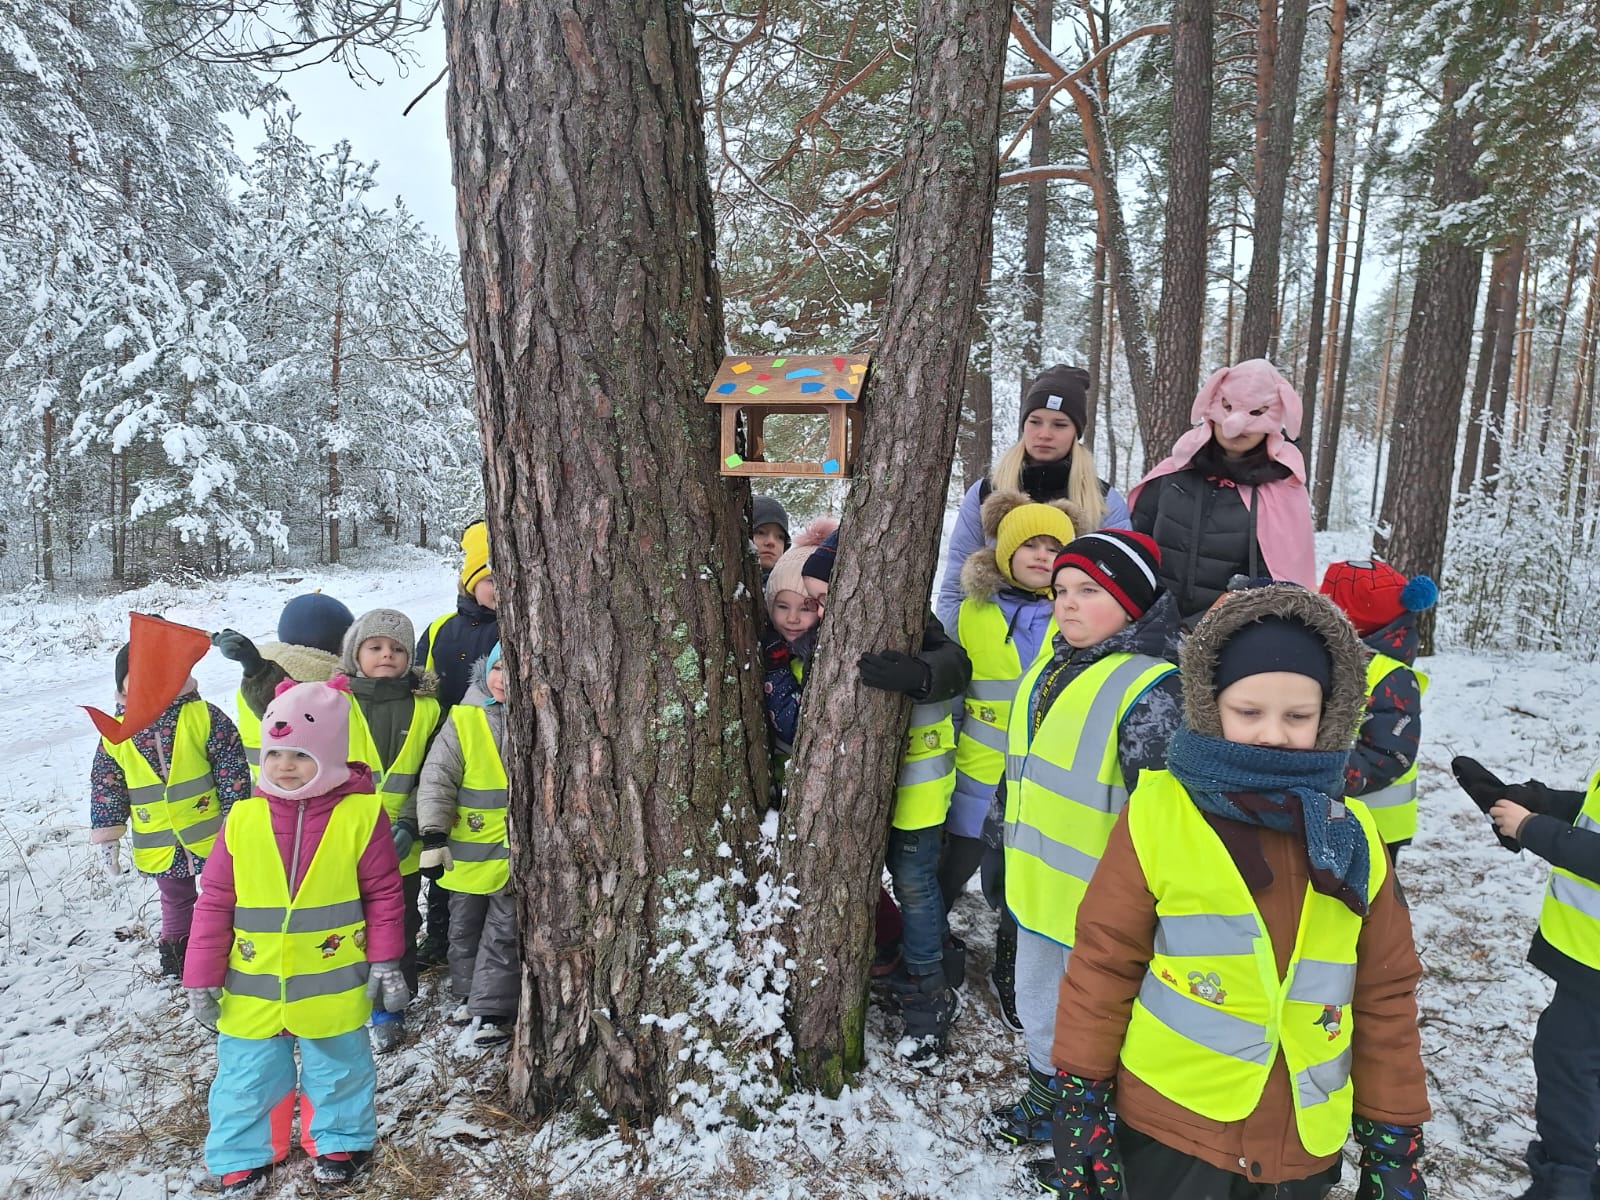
(211, 938)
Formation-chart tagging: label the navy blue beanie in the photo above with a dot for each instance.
(1274, 644)
(820, 564)
(315, 620)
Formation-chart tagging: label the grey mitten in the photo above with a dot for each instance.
(205, 1005)
(404, 838)
(387, 986)
(241, 649)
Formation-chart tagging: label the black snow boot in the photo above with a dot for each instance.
(955, 960)
(927, 1007)
(172, 954)
(1553, 1181)
(1003, 976)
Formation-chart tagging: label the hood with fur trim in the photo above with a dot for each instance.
(1342, 710)
(981, 577)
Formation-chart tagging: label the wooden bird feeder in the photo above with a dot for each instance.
(750, 389)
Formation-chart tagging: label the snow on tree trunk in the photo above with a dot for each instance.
(634, 744)
(841, 791)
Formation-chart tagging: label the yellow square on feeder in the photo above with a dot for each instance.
(750, 388)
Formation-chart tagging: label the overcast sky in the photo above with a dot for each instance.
(412, 153)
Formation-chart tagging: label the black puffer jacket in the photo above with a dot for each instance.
(467, 636)
(1199, 520)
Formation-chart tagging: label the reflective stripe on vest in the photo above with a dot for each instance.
(433, 636)
(1570, 918)
(249, 732)
(1212, 1014)
(297, 963)
(927, 776)
(1064, 787)
(983, 631)
(478, 838)
(396, 784)
(182, 810)
(1394, 808)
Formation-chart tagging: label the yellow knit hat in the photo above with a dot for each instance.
(475, 546)
(1024, 522)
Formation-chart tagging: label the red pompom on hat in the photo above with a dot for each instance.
(1372, 593)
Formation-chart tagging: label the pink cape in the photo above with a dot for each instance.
(1260, 401)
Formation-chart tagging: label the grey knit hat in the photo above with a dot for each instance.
(764, 510)
(378, 622)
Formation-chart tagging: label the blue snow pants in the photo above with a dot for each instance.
(252, 1100)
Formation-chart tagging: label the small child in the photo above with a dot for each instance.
(175, 780)
(392, 721)
(1242, 989)
(1563, 828)
(1383, 605)
(461, 806)
(1087, 722)
(299, 929)
(769, 530)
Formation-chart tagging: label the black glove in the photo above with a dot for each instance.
(892, 671)
(241, 649)
(433, 841)
(1389, 1156)
(1086, 1153)
(1485, 787)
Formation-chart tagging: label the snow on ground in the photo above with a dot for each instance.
(103, 1076)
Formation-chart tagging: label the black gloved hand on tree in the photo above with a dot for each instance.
(892, 671)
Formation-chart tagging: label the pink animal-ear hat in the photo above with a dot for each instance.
(313, 718)
(1259, 400)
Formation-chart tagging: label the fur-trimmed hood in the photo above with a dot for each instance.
(981, 576)
(1342, 710)
(303, 664)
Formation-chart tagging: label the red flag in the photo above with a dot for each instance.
(160, 657)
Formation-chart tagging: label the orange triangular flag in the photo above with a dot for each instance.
(160, 657)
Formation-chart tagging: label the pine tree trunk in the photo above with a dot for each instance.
(1494, 301)
(1038, 216)
(1547, 412)
(975, 441)
(1500, 381)
(634, 744)
(1383, 418)
(1433, 369)
(1187, 241)
(335, 484)
(1276, 156)
(1322, 472)
(836, 818)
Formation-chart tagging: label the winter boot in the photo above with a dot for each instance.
(388, 1031)
(459, 1015)
(246, 1183)
(1003, 977)
(927, 1007)
(955, 961)
(1554, 1181)
(492, 1031)
(172, 953)
(1028, 1120)
(1046, 1176)
(339, 1168)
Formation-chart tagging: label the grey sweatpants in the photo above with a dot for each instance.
(1040, 965)
(484, 971)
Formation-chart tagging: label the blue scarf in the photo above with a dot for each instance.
(1295, 786)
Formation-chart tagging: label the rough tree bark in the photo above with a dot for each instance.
(1188, 241)
(1327, 148)
(1433, 367)
(634, 747)
(1494, 429)
(1038, 218)
(1494, 299)
(841, 790)
(1261, 287)
(976, 436)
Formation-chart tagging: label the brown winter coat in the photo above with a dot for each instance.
(1116, 938)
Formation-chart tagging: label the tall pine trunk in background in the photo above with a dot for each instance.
(975, 440)
(1327, 146)
(836, 818)
(1433, 368)
(1495, 298)
(1187, 241)
(1275, 155)
(634, 745)
(1038, 218)
(1494, 430)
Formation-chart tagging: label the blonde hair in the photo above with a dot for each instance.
(1083, 485)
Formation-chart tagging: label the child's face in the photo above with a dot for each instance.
(817, 592)
(1086, 614)
(288, 770)
(496, 681)
(769, 544)
(1047, 435)
(1030, 565)
(382, 658)
(793, 614)
(484, 592)
(1280, 709)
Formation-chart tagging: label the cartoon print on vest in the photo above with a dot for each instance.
(330, 944)
(1208, 986)
(202, 804)
(1331, 1018)
(987, 715)
(142, 813)
(475, 822)
(359, 937)
(931, 740)
(247, 949)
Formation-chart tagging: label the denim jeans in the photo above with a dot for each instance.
(913, 862)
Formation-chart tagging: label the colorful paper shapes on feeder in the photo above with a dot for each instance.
(750, 389)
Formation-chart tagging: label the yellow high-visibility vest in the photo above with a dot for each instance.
(433, 637)
(981, 628)
(1212, 1014)
(249, 732)
(1394, 807)
(1064, 787)
(1570, 918)
(180, 810)
(478, 845)
(399, 780)
(298, 963)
